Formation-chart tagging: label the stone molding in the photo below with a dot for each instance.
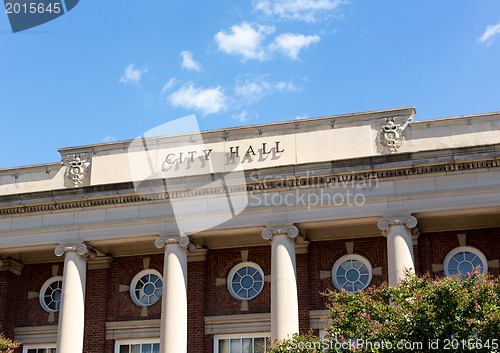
(79, 248)
(318, 319)
(100, 262)
(199, 255)
(246, 323)
(16, 203)
(117, 330)
(36, 334)
(11, 265)
(301, 247)
(183, 241)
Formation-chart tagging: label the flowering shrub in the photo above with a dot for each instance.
(7, 345)
(421, 314)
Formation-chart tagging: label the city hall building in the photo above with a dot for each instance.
(215, 241)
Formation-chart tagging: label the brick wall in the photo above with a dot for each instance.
(324, 254)
(219, 262)
(105, 302)
(122, 271)
(96, 303)
(30, 311)
(433, 247)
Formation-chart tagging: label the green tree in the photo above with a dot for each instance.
(421, 314)
(7, 345)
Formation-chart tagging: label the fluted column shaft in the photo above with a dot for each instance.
(398, 231)
(173, 326)
(284, 298)
(72, 309)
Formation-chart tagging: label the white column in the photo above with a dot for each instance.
(72, 309)
(397, 229)
(173, 326)
(284, 299)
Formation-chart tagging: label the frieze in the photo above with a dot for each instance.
(313, 180)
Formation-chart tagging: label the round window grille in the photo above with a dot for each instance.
(245, 281)
(353, 273)
(50, 294)
(146, 287)
(464, 260)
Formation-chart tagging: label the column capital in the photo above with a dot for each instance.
(283, 229)
(389, 221)
(182, 241)
(79, 248)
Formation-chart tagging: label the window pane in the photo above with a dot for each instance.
(223, 346)
(146, 348)
(246, 346)
(124, 348)
(259, 345)
(156, 348)
(31, 350)
(135, 348)
(235, 346)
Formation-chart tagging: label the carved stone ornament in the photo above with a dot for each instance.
(80, 248)
(390, 135)
(407, 220)
(77, 167)
(182, 241)
(290, 230)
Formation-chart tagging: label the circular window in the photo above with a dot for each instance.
(146, 287)
(245, 281)
(352, 273)
(464, 260)
(50, 294)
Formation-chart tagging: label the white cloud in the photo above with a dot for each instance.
(253, 90)
(490, 34)
(244, 40)
(303, 10)
(241, 117)
(109, 138)
(291, 44)
(132, 75)
(171, 83)
(188, 61)
(206, 100)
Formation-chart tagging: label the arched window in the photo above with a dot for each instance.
(245, 281)
(353, 273)
(146, 287)
(464, 260)
(50, 294)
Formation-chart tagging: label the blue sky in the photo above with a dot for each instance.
(110, 70)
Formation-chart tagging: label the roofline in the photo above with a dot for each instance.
(408, 110)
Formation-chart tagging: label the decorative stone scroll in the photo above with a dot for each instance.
(77, 168)
(390, 135)
(183, 241)
(290, 230)
(79, 248)
(386, 222)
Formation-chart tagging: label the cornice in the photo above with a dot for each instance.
(379, 167)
